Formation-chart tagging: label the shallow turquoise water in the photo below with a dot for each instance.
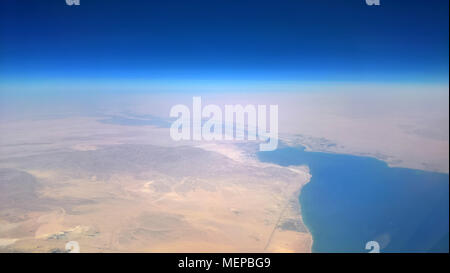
(351, 200)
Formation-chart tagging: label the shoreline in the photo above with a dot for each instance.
(298, 194)
(302, 214)
(336, 175)
(391, 161)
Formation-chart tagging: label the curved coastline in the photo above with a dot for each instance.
(393, 205)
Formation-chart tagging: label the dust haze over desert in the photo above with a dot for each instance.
(107, 175)
(358, 137)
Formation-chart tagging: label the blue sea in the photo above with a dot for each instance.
(351, 200)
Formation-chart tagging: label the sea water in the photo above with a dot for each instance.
(352, 200)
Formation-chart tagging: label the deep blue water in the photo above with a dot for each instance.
(351, 200)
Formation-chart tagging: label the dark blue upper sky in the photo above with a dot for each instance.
(310, 40)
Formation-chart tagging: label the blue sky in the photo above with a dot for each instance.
(224, 40)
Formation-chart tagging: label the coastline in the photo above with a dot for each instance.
(303, 217)
(348, 213)
(323, 145)
(298, 194)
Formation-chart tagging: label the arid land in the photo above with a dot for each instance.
(106, 187)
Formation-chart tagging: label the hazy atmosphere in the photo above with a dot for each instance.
(86, 154)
